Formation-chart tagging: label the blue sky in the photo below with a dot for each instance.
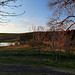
(36, 14)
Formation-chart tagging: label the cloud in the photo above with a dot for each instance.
(15, 25)
(3, 24)
(27, 20)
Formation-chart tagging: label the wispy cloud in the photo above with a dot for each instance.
(27, 20)
(15, 25)
(3, 24)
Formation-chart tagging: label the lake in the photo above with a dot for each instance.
(6, 44)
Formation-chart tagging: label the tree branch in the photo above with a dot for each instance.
(67, 18)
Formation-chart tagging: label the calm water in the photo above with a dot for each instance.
(6, 44)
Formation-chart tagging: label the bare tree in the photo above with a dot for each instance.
(53, 42)
(61, 39)
(38, 36)
(61, 8)
(56, 25)
(5, 4)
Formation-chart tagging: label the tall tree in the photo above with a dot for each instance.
(61, 8)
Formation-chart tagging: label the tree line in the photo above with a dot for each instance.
(61, 40)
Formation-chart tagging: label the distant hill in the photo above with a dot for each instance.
(9, 37)
(12, 37)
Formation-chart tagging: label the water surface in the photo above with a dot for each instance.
(6, 44)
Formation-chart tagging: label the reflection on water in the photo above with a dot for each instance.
(6, 44)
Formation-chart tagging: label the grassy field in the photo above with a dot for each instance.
(7, 37)
(25, 55)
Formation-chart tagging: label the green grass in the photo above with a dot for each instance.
(24, 57)
(30, 56)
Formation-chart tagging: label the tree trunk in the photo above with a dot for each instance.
(53, 52)
(60, 51)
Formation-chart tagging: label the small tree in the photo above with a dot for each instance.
(61, 40)
(38, 36)
(16, 43)
(52, 42)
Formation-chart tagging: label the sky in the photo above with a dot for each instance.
(36, 14)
